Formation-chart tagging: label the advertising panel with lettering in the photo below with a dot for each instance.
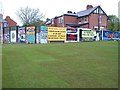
(56, 34)
(30, 34)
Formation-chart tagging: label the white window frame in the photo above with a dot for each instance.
(53, 21)
(100, 19)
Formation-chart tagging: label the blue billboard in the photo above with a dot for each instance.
(21, 35)
(43, 34)
(110, 35)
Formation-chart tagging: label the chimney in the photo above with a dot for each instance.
(89, 7)
(7, 16)
(69, 11)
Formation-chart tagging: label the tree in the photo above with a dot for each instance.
(113, 23)
(29, 16)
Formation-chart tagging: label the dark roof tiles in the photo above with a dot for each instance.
(86, 12)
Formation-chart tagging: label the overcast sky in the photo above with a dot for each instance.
(52, 8)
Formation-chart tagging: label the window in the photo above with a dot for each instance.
(85, 19)
(101, 12)
(52, 21)
(95, 12)
(80, 19)
(59, 20)
(100, 19)
(62, 20)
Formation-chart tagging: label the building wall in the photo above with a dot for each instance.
(82, 20)
(70, 20)
(59, 22)
(93, 21)
(63, 21)
(85, 26)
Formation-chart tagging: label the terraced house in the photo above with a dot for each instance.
(93, 17)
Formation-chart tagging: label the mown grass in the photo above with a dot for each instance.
(70, 65)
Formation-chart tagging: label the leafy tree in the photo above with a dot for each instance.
(113, 23)
(29, 16)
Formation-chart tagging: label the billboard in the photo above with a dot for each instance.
(56, 34)
(13, 34)
(72, 35)
(107, 35)
(6, 34)
(43, 34)
(37, 35)
(88, 33)
(71, 30)
(21, 35)
(30, 34)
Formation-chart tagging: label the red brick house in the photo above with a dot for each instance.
(10, 22)
(7, 21)
(93, 18)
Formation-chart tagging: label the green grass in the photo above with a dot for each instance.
(70, 65)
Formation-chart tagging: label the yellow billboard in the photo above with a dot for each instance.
(56, 34)
(30, 30)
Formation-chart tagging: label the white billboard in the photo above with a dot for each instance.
(13, 36)
(89, 33)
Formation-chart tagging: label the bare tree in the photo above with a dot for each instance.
(29, 16)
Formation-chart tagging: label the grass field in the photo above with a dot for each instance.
(71, 65)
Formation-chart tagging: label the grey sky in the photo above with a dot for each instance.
(53, 8)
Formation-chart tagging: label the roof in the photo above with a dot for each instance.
(10, 21)
(81, 13)
(67, 14)
(71, 14)
(86, 12)
(76, 25)
(48, 22)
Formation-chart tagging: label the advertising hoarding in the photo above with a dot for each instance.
(6, 35)
(108, 35)
(38, 35)
(30, 34)
(88, 33)
(43, 34)
(21, 35)
(13, 34)
(72, 35)
(56, 34)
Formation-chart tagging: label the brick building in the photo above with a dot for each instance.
(93, 18)
(10, 22)
(7, 21)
